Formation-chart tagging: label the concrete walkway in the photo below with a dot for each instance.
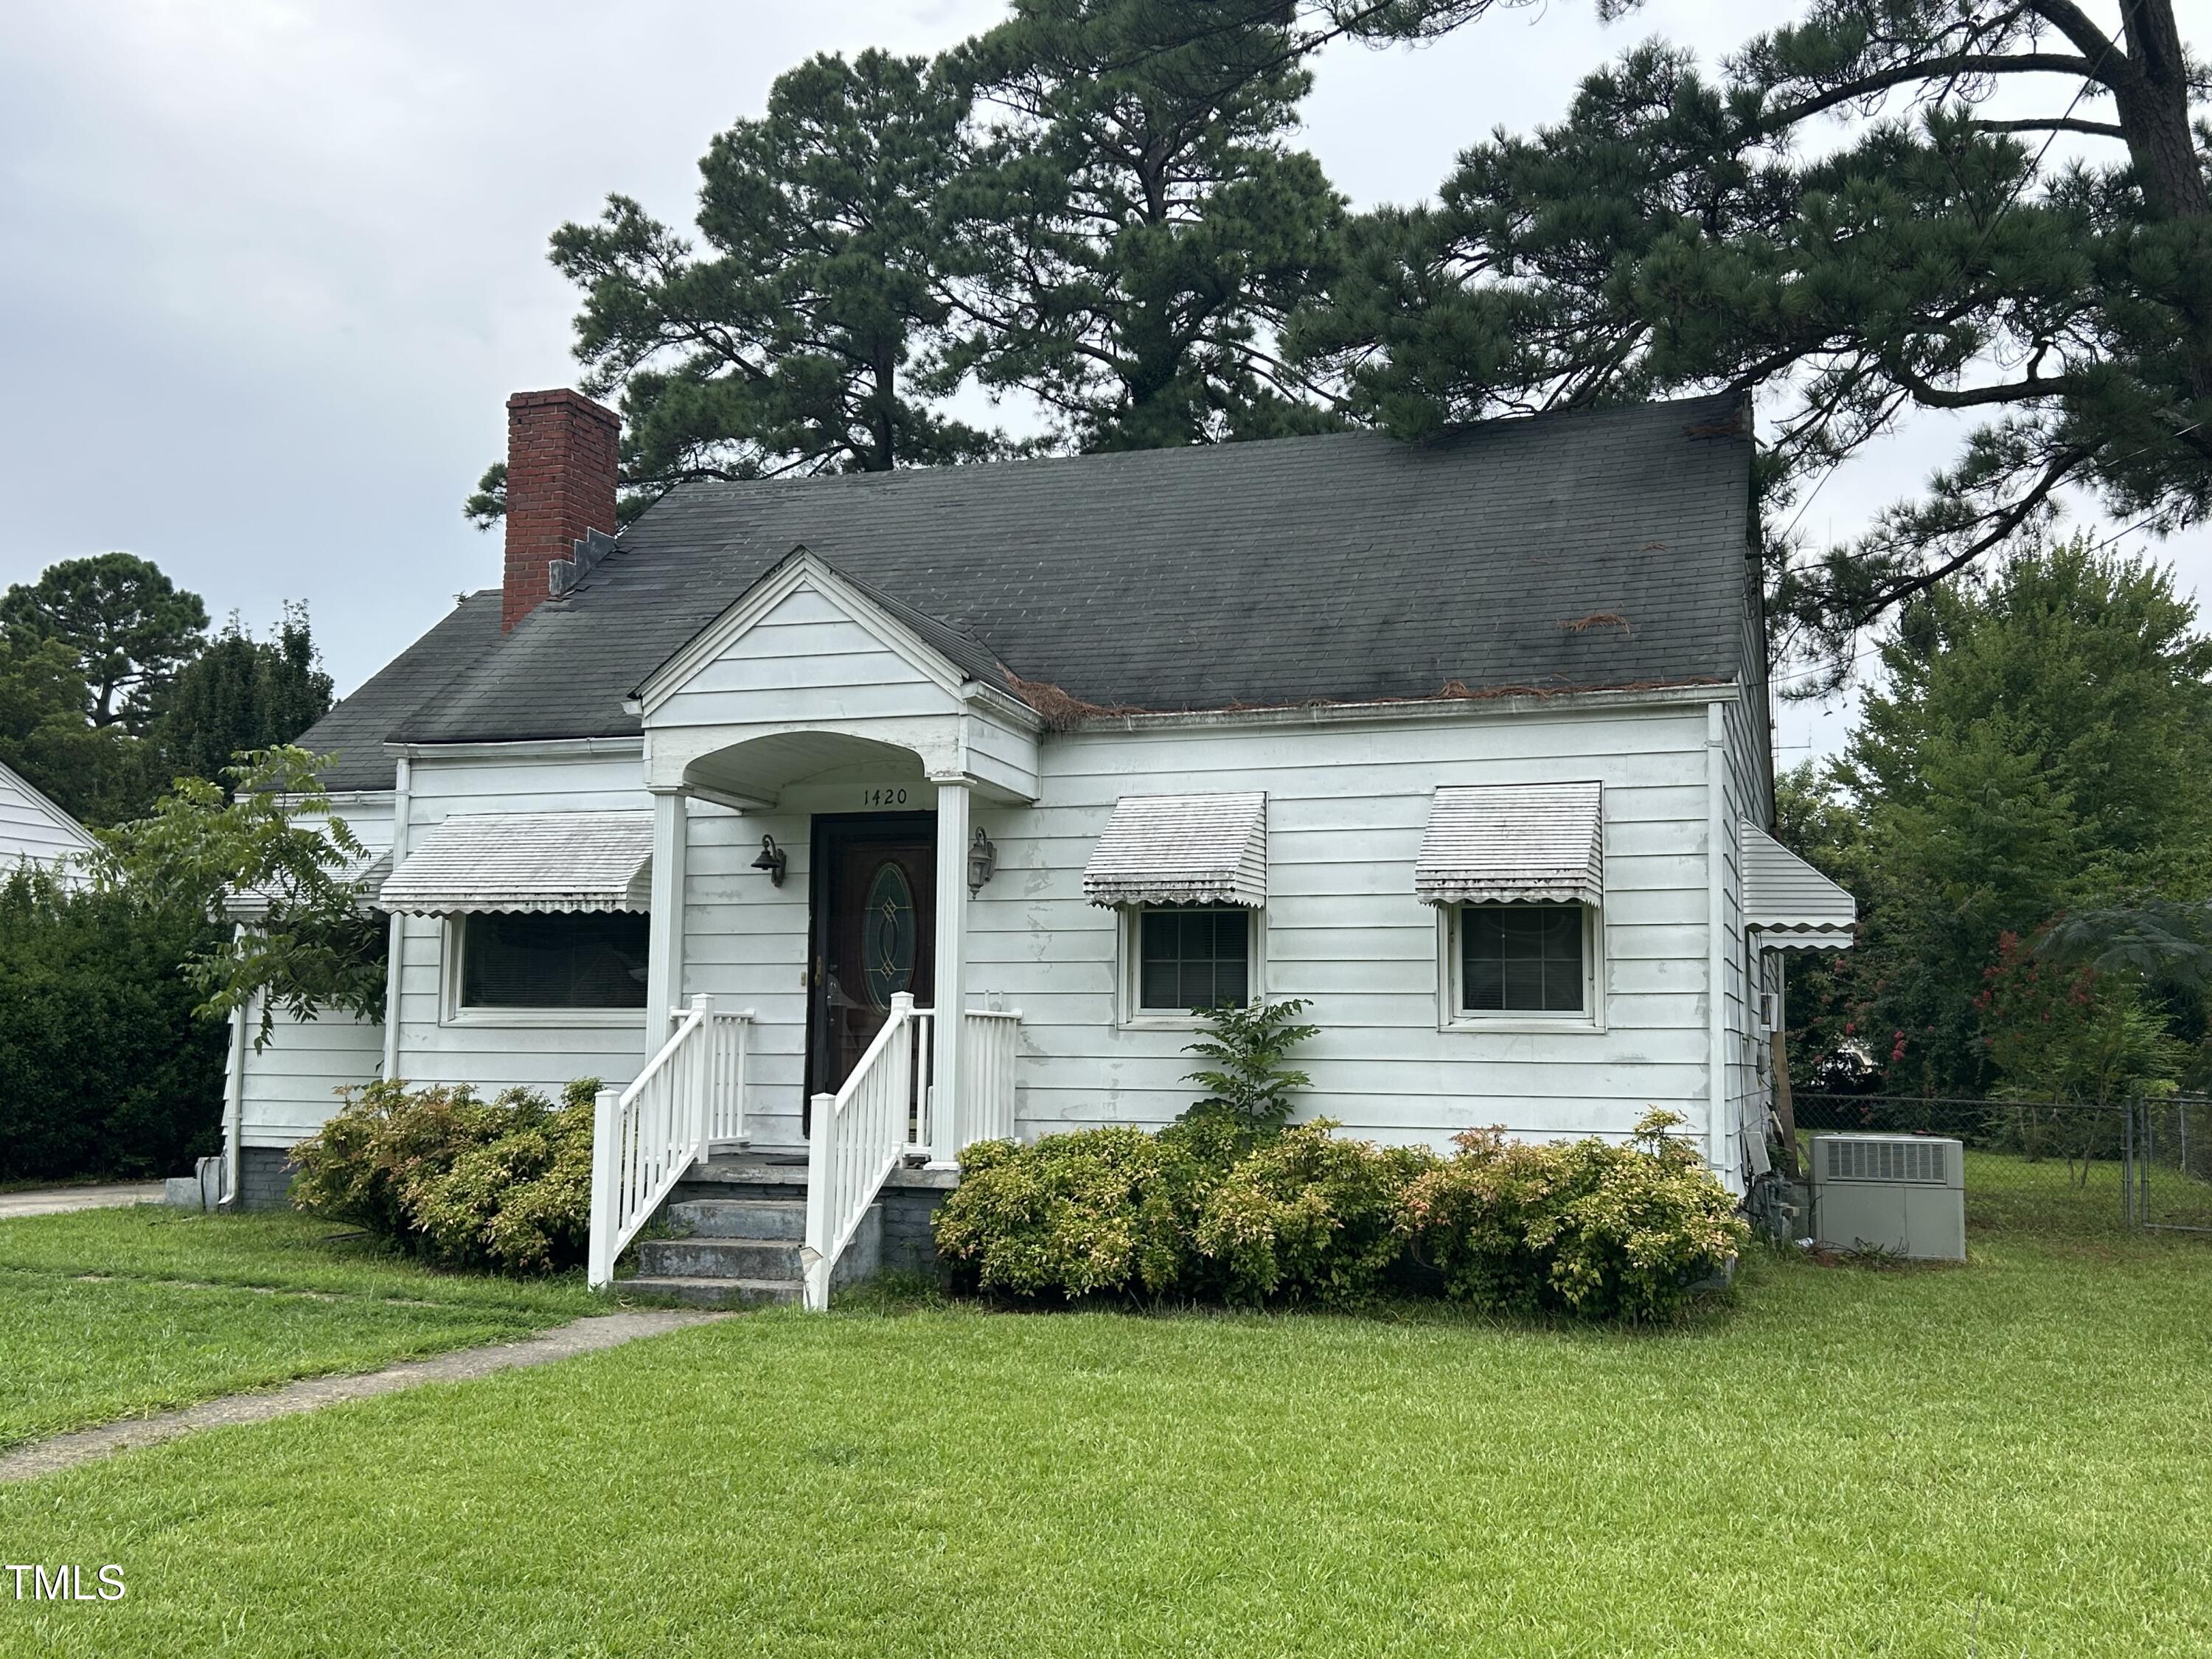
(52, 1200)
(66, 1451)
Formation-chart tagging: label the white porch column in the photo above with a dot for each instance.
(664, 974)
(948, 1116)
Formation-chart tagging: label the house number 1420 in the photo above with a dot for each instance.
(894, 796)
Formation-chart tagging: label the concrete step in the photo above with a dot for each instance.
(720, 1258)
(739, 1218)
(714, 1292)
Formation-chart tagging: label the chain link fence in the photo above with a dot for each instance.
(2172, 1163)
(2079, 1169)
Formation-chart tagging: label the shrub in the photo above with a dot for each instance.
(370, 1155)
(522, 1202)
(1307, 1216)
(1589, 1228)
(1094, 1211)
(1115, 1211)
(103, 1068)
(457, 1180)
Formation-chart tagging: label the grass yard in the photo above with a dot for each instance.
(1849, 1461)
(111, 1313)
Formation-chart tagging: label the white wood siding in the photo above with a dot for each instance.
(482, 1049)
(292, 1086)
(805, 658)
(34, 828)
(1347, 804)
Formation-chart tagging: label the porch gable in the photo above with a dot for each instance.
(805, 670)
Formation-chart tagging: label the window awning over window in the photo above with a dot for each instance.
(366, 872)
(527, 861)
(1788, 903)
(1182, 850)
(1513, 843)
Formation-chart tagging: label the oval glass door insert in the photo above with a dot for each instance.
(887, 936)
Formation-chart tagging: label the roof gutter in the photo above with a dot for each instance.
(516, 748)
(1424, 709)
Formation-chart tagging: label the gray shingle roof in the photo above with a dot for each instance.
(1583, 549)
(356, 729)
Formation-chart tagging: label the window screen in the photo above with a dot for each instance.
(1190, 957)
(566, 959)
(1521, 957)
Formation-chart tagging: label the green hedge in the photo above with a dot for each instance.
(1589, 1229)
(104, 1069)
(457, 1180)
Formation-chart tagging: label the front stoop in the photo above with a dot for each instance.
(743, 1252)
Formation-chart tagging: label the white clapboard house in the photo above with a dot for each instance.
(33, 830)
(838, 823)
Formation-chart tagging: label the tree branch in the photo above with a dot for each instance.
(1925, 68)
(2013, 391)
(2061, 123)
(2070, 21)
(2005, 520)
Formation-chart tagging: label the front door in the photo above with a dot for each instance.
(875, 931)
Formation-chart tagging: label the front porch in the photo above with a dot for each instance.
(733, 1231)
(815, 715)
(787, 1225)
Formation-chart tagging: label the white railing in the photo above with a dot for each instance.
(993, 1040)
(856, 1139)
(925, 1035)
(645, 1138)
(729, 1039)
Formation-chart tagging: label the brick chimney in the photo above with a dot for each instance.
(560, 483)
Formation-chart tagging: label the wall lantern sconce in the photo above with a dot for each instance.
(982, 861)
(773, 859)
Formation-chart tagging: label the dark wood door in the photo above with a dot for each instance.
(874, 906)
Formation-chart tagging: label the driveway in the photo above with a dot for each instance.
(52, 1200)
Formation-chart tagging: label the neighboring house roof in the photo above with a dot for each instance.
(33, 827)
(1586, 549)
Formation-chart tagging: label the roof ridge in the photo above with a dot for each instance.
(1175, 454)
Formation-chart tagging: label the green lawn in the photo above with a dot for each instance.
(1848, 1461)
(110, 1313)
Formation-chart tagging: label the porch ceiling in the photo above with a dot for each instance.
(763, 766)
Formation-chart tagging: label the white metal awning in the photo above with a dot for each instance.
(1513, 843)
(1787, 903)
(366, 872)
(1182, 850)
(527, 861)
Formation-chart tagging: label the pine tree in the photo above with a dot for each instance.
(1678, 231)
(127, 626)
(1133, 225)
(99, 775)
(788, 344)
(242, 694)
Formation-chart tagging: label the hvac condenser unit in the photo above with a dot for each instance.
(1903, 1194)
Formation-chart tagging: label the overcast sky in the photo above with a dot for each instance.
(276, 266)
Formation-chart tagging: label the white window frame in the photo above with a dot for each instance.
(1452, 1014)
(1129, 969)
(451, 1011)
